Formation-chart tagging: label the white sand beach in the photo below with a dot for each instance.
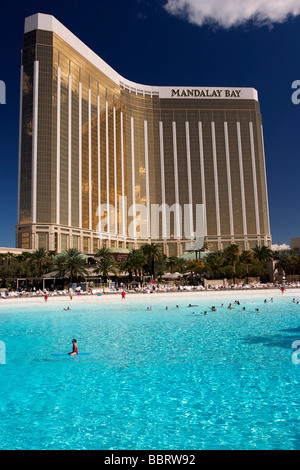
(231, 295)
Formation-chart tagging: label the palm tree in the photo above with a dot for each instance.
(105, 266)
(294, 263)
(287, 262)
(215, 263)
(196, 266)
(137, 260)
(104, 253)
(172, 261)
(40, 256)
(153, 253)
(262, 253)
(247, 256)
(72, 262)
(232, 252)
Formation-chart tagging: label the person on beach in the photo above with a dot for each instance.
(123, 295)
(46, 297)
(75, 348)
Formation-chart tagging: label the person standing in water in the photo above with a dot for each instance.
(75, 348)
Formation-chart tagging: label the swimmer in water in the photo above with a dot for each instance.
(67, 308)
(213, 308)
(230, 306)
(75, 348)
(190, 305)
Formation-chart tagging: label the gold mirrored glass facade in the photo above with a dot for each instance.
(98, 152)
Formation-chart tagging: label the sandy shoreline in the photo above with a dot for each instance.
(232, 294)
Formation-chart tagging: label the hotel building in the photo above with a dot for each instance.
(97, 153)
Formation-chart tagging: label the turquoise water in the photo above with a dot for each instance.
(160, 379)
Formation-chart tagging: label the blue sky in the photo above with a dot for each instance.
(159, 43)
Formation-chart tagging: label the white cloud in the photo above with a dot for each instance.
(282, 247)
(227, 13)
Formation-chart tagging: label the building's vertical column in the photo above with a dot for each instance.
(133, 178)
(90, 156)
(20, 143)
(148, 231)
(98, 156)
(254, 179)
(58, 146)
(216, 182)
(239, 139)
(177, 228)
(189, 175)
(162, 175)
(229, 188)
(70, 152)
(34, 141)
(265, 176)
(80, 153)
(115, 172)
(202, 173)
(107, 167)
(122, 176)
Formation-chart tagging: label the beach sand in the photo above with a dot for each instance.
(226, 295)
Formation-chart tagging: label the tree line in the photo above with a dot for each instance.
(148, 260)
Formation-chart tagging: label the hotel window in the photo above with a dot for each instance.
(85, 245)
(172, 249)
(43, 240)
(63, 242)
(95, 244)
(75, 242)
(24, 240)
(56, 242)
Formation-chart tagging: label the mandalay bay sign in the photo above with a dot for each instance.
(215, 93)
(205, 93)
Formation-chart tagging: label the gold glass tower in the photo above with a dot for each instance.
(107, 162)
